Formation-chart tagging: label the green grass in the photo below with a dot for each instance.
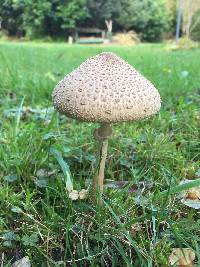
(37, 218)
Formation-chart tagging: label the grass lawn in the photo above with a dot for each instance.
(137, 225)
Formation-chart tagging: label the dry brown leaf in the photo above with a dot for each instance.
(128, 38)
(191, 197)
(136, 228)
(182, 257)
(132, 188)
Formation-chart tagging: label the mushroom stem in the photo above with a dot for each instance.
(101, 135)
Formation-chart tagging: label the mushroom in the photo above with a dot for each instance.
(105, 89)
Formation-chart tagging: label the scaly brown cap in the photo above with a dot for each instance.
(105, 88)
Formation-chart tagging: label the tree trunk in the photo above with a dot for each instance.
(179, 16)
(109, 24)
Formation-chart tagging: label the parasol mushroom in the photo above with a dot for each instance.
(105, 89)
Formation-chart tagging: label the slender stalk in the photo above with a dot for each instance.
(99, 175)
(101, 135)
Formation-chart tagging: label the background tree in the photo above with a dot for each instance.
(104, 12)
(146, 17)
(195, 27)
(171, 7)
(40, 18)
(71, 13)
(190, 8)
(10, 16)
(57, 18)
(34, 17)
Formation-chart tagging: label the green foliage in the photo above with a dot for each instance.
(102, 10)
(195, 27)
(11, 17)
(147, 17)
(35, 13)
(41, 18)
(39, 15)
(30, 240)
(71, 12)
(184, 43)
(9, 238)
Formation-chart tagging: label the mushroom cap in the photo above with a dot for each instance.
(106, 89)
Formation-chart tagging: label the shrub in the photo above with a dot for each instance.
(195, 27)
(128, 38)
(146, 17)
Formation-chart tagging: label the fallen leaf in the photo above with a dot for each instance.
(44, 173)
(197, 173)
(136, 228)
(182, 257)
(195, 204)
(132, 188)
(24, 262)
(191, 197)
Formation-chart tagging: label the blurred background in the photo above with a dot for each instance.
(100, 21)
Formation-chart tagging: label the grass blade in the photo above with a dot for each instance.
(18, 116)
(178, 188)
(65, 168)
(121, 251)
